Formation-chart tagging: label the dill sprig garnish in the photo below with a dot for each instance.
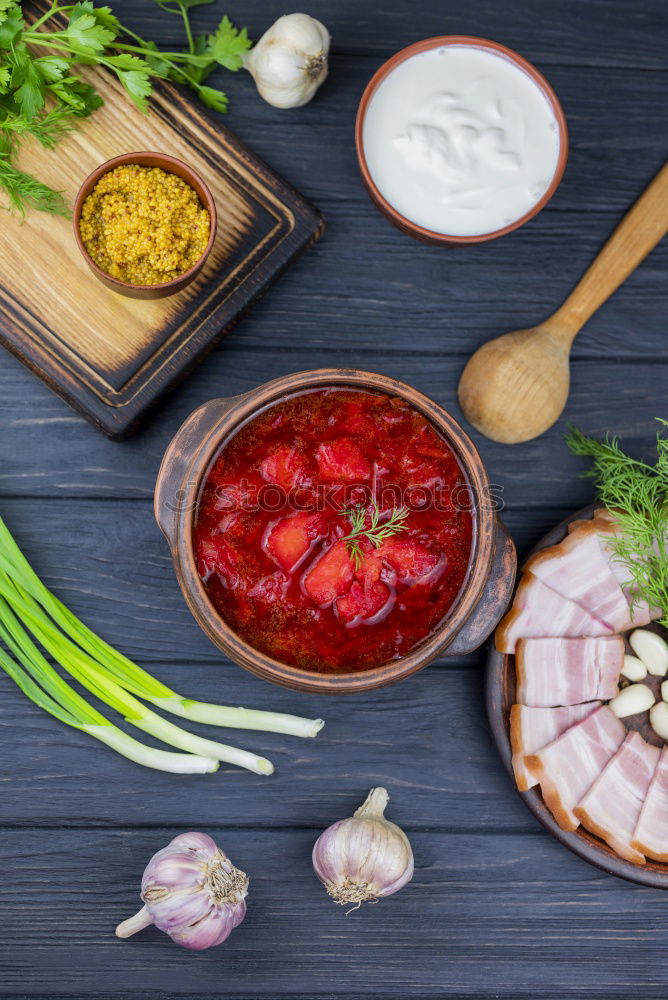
(374, 531)
(637, 493)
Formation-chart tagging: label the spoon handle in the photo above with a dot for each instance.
(638, 233)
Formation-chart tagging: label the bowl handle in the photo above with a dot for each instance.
(495, 597)
(172, 487)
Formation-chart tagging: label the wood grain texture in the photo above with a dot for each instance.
(526, 890)
(498, 909)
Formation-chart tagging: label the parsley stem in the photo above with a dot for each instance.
(45, 17)
(189, 34)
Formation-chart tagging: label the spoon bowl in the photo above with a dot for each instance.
(526, 379)
(516, 386)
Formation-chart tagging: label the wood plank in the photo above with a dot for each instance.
(511, 916)
(632, 36)
(609, 164)
(55, 454)
(429, 743)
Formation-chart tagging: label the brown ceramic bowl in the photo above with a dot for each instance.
(484, 596)
(172, 166)
(412, 228)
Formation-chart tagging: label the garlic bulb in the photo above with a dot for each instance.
(192, 892)
(365, 857)
(289, 62)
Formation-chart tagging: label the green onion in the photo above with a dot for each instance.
(26, 605)
(132, 677)
(55, 696)
(97, 680)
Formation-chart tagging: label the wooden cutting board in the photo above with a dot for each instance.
(108, 356)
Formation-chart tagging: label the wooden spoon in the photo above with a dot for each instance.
(515, 386)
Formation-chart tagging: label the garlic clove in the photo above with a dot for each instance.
(290, 61)
(633, 699)
(652, 650)
(658, 717)
(633, 668)
(664, 690)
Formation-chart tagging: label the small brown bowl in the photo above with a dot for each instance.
(171, 166)
(481, 602)
(412, 228)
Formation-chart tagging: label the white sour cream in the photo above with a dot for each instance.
(460, 140)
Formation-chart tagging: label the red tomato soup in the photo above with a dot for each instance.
(294, 535)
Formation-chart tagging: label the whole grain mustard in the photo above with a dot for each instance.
(144, 225)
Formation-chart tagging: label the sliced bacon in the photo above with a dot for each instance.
(607, 529)
(538, 611)
(650, 836)
(568, 767)
(611, 808)
(578, 569)
(559, 671)
(533, 728)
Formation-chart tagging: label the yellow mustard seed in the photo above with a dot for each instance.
(144, 225)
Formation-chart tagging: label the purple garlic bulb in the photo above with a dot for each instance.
(191, 891)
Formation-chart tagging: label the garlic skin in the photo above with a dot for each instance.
(192, 892)
(365, 857)
(289, 62)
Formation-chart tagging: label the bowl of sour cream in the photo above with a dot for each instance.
(460, 140)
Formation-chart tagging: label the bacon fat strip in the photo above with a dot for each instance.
(650, 836)
(577, 568)
(568, 767)
(533, 728)
(538, 611)
(560, 671)
(611, 808)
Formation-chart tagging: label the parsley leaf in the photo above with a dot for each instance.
(84, 31)
(228, 45)
(5, 77)
(134, 74)
(52, 68)
(214, 99)
(28, 83)
(11, 27)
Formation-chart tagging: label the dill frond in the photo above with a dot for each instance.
(637, 492)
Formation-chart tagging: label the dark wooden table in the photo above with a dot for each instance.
(497, 908)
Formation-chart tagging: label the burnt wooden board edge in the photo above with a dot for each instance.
(580, 842)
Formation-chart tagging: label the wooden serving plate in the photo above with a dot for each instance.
(500, 696)
(108, 356)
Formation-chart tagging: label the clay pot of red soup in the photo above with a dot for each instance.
(334, 531)
(460, 140)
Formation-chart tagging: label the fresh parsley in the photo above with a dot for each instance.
(42, 95)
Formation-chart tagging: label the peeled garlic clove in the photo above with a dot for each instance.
(652, 650)
(364, 857)
(634, 669)
(658, 718)
(633, 699)
(664, 690)
(290, 61)
(192, 892)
